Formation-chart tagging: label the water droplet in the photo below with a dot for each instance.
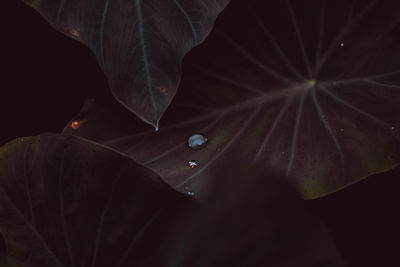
(197, 141)
(157, 129)
(75, 124)
(190, 193)
(392, 127)
(341, 43)
(192, 164)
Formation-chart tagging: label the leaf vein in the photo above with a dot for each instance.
(103, 21)
(329, 129)
(189, 20)
(145, 56)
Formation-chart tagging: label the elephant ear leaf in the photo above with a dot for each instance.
(251, 218)
(312, 92)
(138, 44)
(67, 202)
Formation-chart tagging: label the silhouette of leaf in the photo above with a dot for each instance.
(68, 202)
(138, 44)
(251, 218)
(309, 89)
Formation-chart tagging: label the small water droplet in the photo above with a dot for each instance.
(192, 164)
(341, 43)
(197, 141)
(75, 124)
(190, 193)
(157, 129)
(392, 127)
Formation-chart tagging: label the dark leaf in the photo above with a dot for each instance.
(309, 89)
(67, 202)
(251, 218)
(138, 44)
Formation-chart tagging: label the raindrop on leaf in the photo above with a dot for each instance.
(197, 141)
(192, 164)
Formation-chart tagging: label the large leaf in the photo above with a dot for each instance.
(67, 202)
(138, 44)
(256, 221)
(310, 89)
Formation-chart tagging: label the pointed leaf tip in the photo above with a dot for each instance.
(138, 44)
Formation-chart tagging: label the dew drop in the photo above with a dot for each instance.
(157, 129)
(341, 43)
(190, 193)
(192, 164)
(197, 141)
(75, 124)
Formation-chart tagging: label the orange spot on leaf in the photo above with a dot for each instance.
(75, 124)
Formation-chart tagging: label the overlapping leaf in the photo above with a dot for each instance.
(138, 44)
(256, 221)
(67, 202)
(309, 89)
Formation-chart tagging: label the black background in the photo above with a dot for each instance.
(44, 81)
